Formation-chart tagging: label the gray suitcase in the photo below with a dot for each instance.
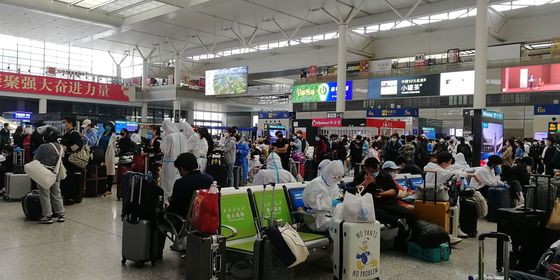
(141, 242)
(205, 256)
(17, 186)
(237, 176)
(547, 191)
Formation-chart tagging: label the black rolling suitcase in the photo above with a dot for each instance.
(468, 216)
(267, 265)
(32, 206)
(526, 227)
(206, 254)
(72, 187)
(95, 181)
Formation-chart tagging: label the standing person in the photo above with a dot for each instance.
(304, 144)
(421, 153)
(508, 153)
(154, 151)
(125, 145)
(173, 144)
(282, 148)
(90, 133)
(408, 150)
(108, 141)
(466, 150)
(535, 153)
(548, 156)
(18, 137)
(296, 145)
(342, 149)
(373, 151)
(203, 148)
(519, 150)
(5, 136)
(48, 154)
(440, 146)
(356, 150)
(321, 148)
(391, 149)
(27, 132)
(242, 152)
(72, 142)
(531, 81)
(229, 154)
(191, 136)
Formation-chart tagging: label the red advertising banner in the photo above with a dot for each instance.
(312, 71)
(334, 122)
(13, 82)
(385, 123)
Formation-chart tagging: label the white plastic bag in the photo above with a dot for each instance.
(358, 208)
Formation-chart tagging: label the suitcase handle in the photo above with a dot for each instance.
(495, 235)
(501, 237)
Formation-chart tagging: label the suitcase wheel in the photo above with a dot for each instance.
(123, 261)
(154, 263)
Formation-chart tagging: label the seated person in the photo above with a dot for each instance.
(443, 170)
(393, 169)
(384, 190)
(510, 176)
(522, 170)
(8, 153)
(274, 173)
(408, 166)
(322, 194)
(322, 166)
(191, 180)
(460, 163)
(489, 175)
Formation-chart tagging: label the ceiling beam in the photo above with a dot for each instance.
(258, 3)
(101, 4)
(130, 6)
(394, 9)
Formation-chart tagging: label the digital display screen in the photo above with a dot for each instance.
(402, 182)
(457, 83)
(410, 86)
(430, 132)
(324, 92)
(130, 126)
(531, 78)
(296, 195)
(226, 81)
(492, 140)
(416, 182)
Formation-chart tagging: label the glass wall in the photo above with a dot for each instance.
(34, 57)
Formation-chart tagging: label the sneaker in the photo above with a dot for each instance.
(454, 240)
(46, 220)
(61, 219)
(461, 234)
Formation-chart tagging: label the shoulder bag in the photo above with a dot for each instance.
(43, 175)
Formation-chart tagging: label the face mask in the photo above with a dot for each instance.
(299, 135)
(295, 137)
(149, 135)
(375, 174)
(498, 170)
(394, 139)
(280, 135)
(317, 138)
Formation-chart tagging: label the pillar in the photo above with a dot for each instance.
(42, 106)
(177, 71)
(145, 81)
(341, 72)
(119, 72)
(190, 116)
(144, 113)
(481, 50)
(176, 111)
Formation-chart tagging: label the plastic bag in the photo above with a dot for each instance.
(358, 208)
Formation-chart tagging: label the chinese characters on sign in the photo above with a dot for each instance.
(412, 86)
(336, 122)
(13, 82)
(397, 112)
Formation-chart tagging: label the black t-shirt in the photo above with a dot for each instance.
(412, 168)
(280, 143)
(183, 190)
(383, 181)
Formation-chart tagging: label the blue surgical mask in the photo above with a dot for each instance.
(498, 170)
(149, 135)
(374, 174)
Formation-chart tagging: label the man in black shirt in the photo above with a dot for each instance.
(191, 180)
(356, 150)
(282, 148)
(384, 190)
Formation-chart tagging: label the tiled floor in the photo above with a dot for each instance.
(88, 246)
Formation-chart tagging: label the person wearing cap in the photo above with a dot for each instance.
(393, 169)
(378, 181)
(90, 133)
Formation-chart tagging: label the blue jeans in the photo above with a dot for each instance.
(229, 182)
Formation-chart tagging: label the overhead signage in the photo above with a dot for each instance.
(552, 127)
(385, 123)
(547, 109)
(334, 115)
(13, 82)
(410, 86)
(22, 116)
(275, 115)
(322, 92)
(335, 122)
(492, 115)
(384, 65)
(399, 112)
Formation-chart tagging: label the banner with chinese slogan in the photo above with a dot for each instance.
(13, 82)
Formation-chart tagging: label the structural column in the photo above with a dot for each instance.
(176, 111)
(177, 71)
(145, 82)
(42, 106)
(144, 113)
(341, 70)
(119, 72)
(481, 51)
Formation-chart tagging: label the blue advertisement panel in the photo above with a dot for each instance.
(547, 109)
(275, 115)
(399, 112)
(430, 132)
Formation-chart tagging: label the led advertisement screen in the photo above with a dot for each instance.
(410, 86)
(457, 83)
(532, 78)
(322, 92)
(492, 140)
(226, 81)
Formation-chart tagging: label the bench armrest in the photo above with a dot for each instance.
(232, 229)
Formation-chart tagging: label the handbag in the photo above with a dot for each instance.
(44, 176)
(295, 243)
(80, 158)
(205, 211)
(554, 220)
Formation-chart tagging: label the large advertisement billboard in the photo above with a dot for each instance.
(318, 92)
(457, 83)
(492, 140)
(410, 86)
(226, 81)
(532, 78)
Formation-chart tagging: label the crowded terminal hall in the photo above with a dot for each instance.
(207, 139)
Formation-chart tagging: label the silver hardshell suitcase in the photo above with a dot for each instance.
(17, 186)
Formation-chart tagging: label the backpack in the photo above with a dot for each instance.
(407, 151)
(428, 235)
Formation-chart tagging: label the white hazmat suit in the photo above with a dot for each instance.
(172, 145)
(274, 173)
(192, 137)
(322, 166)
(320, 193)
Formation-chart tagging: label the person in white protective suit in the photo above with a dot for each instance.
(322, 194)
(460, 163)
(322, 166)
(172, 145)
(274, 173)
(192, 137)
